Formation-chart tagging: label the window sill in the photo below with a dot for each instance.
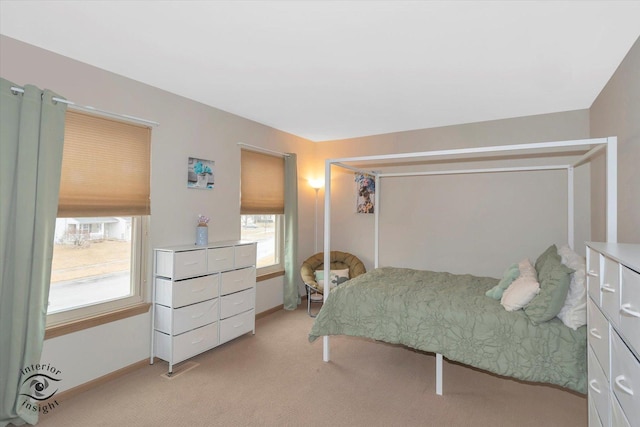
(270, 275)
(100, 319)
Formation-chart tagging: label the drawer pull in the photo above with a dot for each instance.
(238, 303)
(626, 309)
(221, 259)
(594, 333)
(198, 290)
(197, 341)
(238, 325)
(190, 263)
(621, 386)
(592, 273)
(593, 384)
(607, 288)
(195, 316)
(239, 280)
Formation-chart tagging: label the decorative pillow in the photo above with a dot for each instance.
(574, 311)
(508, 277)
(336, 277)
(527, 269)
(519, 293)
(554, 285)
(550, 252)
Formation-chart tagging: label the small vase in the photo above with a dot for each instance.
(202, 180)
(202, 235)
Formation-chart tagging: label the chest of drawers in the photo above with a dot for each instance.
(203, 296)
(613, 317)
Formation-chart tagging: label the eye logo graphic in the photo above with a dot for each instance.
(39, 387)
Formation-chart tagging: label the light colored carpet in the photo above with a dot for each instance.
(277, 378)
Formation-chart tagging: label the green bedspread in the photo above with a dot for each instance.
(450, 314)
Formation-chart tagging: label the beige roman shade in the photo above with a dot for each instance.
(105, 168)
(262, 184)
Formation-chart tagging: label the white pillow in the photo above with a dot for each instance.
(520, 293)
(337, 277)
(527, 269)
(574, 311)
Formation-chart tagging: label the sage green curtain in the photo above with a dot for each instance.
(291, 268)
(31, 141)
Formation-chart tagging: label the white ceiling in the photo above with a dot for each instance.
(328, 70)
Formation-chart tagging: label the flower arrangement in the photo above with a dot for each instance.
(201, 169)
(202, 220)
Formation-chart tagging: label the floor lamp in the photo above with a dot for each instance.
(316, 184)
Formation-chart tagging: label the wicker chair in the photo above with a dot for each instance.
(339, 261)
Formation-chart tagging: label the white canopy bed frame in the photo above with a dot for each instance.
(586, 149)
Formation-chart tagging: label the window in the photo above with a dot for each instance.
(267, 231)
(262, 207)
(100, 241)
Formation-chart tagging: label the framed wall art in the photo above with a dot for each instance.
(365, 193)
(200, 174)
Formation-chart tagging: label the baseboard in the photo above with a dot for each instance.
(270, 311)
(67, 394)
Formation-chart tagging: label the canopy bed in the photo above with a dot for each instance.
(450, 315)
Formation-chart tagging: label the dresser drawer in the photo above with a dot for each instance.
(245, 255)
(625, 378)
(594, 418)
(190, 264)
(611, 290)
(220, 259)
(593, 275)
(235, 326)
(598, 334)
(188, 291)
(232, 304)
(630, 308)
(186, 345)
(618, 419)
(186, 318)
(237, 280)
(598, 388)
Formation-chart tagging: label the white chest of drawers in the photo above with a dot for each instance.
(613, 271)
(203, 296)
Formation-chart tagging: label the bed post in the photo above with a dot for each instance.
(327, 247)
(570, 209)
(376, 213)
(438, 374)
(612, 189)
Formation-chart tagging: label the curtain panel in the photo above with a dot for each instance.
(31, 143)
(291, 269)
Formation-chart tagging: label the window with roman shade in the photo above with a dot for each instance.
(262, 184)
(105, 168)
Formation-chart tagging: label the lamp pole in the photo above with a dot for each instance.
(315, 234)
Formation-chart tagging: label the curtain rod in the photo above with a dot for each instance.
(90, 109)
(265, 150)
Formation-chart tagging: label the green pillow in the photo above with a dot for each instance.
(551, 251)
(554, 281)
(508, 277)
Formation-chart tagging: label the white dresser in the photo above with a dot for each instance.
(203, 296)
(613, 271)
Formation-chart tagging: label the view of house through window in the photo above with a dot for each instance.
(91, 261)
(266, 230)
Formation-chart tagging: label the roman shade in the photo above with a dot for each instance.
(262, 184)
(105, 168)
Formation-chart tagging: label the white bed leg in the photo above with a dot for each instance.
(325, 348)
(438, 374)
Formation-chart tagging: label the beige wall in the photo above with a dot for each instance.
(475, 224)
(616, 112)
